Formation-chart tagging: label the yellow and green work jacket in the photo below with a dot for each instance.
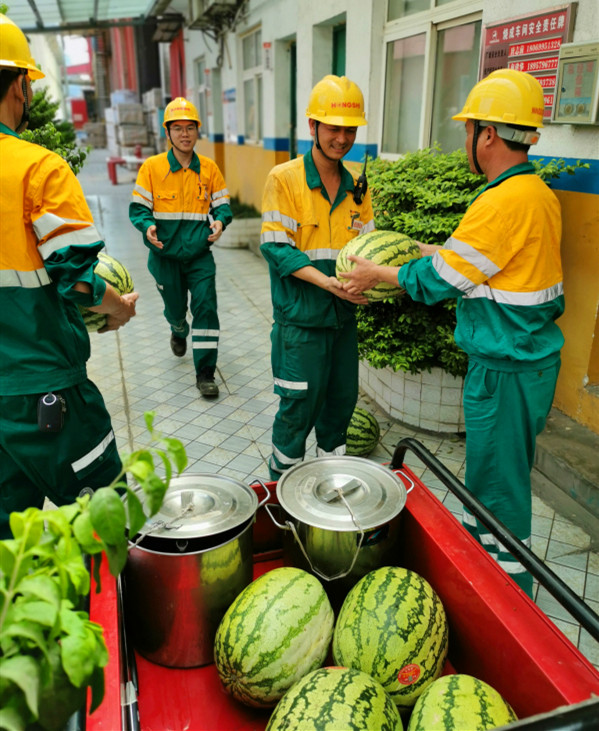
(48, 242)
(503, 264)
(301, 227)
(177, 200)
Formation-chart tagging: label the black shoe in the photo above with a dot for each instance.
(205, 383)
(178, 346)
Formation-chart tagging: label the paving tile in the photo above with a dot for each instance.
(564, 554)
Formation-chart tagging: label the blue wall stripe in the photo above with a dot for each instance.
(277, 144)
(216, 137)
(356, 154)
(240, 140)
(583, 180)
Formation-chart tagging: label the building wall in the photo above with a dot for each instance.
(309, 25)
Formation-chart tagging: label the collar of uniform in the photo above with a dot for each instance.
(524, 168)
(8, 131)
(313, 178)
(176, 165)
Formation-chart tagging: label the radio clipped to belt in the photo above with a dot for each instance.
(51, 409)
(361, 185)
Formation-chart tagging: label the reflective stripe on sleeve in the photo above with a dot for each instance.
(141, 201)
(28, 280)
(450, 275)
(472, 256)
(81, 237)
(93, 455)
(44, 225)
(278, 217)
(143, 192)
(322, 254)
(276, 237)
(368, 227)
(220, 194)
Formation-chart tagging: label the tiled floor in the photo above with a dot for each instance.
(136, 372)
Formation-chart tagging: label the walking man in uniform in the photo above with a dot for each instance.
(503, 265)
(181, 206)
(311, 207)
(56, 437)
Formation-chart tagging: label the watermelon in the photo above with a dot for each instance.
(115, 273)
(277, 630)
(461, 703)
(363, 433)
(383, 247)
(392, 626)
(336, 699)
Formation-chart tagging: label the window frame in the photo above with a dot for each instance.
(428, 22)
(255, 75)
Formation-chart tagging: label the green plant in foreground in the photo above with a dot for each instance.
(51, 138)
(49, 649)
(424, 195)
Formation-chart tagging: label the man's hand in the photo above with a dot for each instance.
(217, 229)
(153, 238)
(122, 311)
(366, 274)
(336, 287)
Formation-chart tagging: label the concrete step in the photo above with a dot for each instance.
(566, 473)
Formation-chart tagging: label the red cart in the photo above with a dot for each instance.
(496, 632)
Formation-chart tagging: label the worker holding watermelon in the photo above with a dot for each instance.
(56, 436)
(311, 207)
(503, 265)
(181, 206)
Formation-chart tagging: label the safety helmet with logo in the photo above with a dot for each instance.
(180, 110)
(337, 101)
(14, 49)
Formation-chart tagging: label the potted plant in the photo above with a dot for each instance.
(424, 195)
(50, 650)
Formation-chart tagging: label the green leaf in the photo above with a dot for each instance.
(137, 517)
(83, 531)
(149, 419)
(176, 452)
(29, 631)
(97, 688)
(11, 719)
(41, 612)
(41, 586)
(117, 557)
(107, 514)
(23, 671)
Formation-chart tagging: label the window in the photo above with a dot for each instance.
(431, 65)
(252, 85)
(402, 8)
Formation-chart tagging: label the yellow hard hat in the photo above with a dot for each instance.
(14, 49)
(338, 101)
(180, 110)
(505, 96)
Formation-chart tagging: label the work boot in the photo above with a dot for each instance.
(205, 383)
(178, 346)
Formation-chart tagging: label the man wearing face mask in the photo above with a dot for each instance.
(181, 206)
(311, 207)
(503, 266)
(56, 436)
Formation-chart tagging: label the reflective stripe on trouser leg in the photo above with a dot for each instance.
(171, 282)
(302, 359)
(205, 327)
(504, 412)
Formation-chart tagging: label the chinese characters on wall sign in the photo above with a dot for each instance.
(529, 44)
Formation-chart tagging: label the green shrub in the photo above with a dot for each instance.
(423, 195)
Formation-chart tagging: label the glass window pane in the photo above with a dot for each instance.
(249, 52)
(249, 109)
(403, 94)
(259, 106)
(258, 52)
(456, 73)
(401, 8)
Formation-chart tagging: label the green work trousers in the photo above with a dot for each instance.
(174, 279)
(316, 377)
(504, 412)
(35, 464)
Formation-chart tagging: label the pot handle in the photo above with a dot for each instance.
(267, 498)
(274, 520)
(409, 479)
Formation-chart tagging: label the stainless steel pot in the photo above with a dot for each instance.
(187, 565)
(341, 516)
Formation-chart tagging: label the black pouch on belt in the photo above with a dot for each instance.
(50, 412)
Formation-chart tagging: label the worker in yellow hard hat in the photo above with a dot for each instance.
(311, 207)
(503, 266)
(181, 206)
(56, 437)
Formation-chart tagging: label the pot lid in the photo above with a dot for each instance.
(201, 505)
(341, 493)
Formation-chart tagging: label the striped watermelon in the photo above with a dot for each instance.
(383, 247)
(336, 699)
(115, 273)
(363, 433)
(392, 626)
(461, 703)
(277, 630)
